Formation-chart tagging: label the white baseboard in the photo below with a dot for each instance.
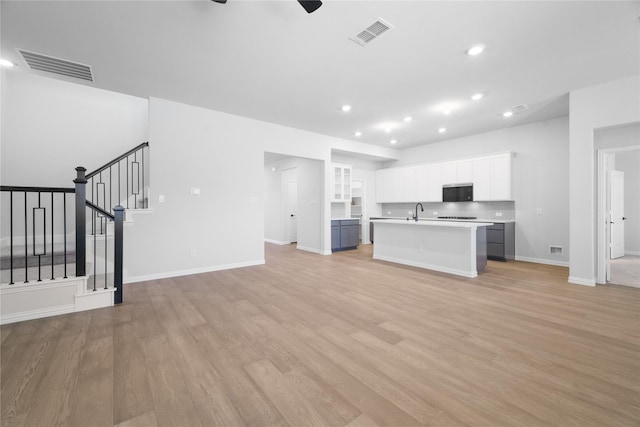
(314, 250)
(457, 272)
(584, 282)
(543, 261)
(37, 314)
(636, 253)
(276, 242)
(168, 274)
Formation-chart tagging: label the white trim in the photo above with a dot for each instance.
(276, 242)
(584, 282)
(636, 253)
(326, 252)
(37, 314)
(314, 250)
(177, 273)
(92, 300)
(542, 261)
(33, 285)
(455, 271)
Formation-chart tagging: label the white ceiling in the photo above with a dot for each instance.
(271, 61)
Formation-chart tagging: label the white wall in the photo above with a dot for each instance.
(49, 127)
(610, 104)
(541, 180)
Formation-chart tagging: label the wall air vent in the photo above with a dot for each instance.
(372, 32)
(40, 62)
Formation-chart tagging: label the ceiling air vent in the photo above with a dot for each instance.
(372, 32)
(519, 108)
(40, 62)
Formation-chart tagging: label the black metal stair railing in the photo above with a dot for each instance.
(44, 232)
(39, 219)
(121, 181)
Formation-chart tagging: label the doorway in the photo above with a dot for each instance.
(290, 202)
(618, 230)
(359, 207)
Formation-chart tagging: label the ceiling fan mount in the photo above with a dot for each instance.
(308, 5)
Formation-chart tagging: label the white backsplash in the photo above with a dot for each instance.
(481, 210)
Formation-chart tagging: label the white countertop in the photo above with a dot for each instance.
(437, 223)
(499, 221)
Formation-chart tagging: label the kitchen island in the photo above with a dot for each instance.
(458, 248)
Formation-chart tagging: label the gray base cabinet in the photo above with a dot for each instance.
(501, 242)
(345, 234)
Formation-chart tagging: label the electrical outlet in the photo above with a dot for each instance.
(195, 191)
(194, 253)
(539, 211)
(160, 199)
(388, 212)
(435, 213)
(410, 213)
(498, 213)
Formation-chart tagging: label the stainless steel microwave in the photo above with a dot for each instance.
(457, 192)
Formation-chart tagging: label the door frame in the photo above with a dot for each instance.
(602, 215)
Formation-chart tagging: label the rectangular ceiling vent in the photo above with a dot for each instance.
(519, 108)
(40, 62)
(372, 32)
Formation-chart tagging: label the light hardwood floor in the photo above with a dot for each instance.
(341, 340)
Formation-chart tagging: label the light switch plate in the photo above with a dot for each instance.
(160, 199)
(195, 191)
(498, 213)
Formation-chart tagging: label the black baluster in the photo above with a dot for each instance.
(52, 237)
(127, 182)
(26, 244)
(145, 202)
(34, 239)
(119, 197)
(106, 253)
(95, 265)
(64, 216)
(11, 237)
(110, 189)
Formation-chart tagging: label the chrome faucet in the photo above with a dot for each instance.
(421, 210)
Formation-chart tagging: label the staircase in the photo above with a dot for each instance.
(61, 249)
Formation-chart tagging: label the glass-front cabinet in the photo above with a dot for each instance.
(341, 182)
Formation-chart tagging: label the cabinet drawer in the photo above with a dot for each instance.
(495, 236)
(495, 250)
(499, 227)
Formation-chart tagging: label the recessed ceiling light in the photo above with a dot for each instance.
(393, 141)
(407, 119)
(358, 133)
(477, 96)
(475, 50)
(442, 130)
(6, 63)
(273, 169)
(507, 114)
(387, 130)
(446, 111)
(346, 108)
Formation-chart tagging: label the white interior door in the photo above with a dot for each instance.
(292, 201)
(616, 214)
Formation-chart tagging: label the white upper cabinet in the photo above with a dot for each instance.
(464, 171)
(490, 175)
(482, 179)
(341, 183)
(501, 177)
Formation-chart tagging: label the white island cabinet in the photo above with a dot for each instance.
(458, 248)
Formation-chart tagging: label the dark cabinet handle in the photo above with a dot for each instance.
(624, 217)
